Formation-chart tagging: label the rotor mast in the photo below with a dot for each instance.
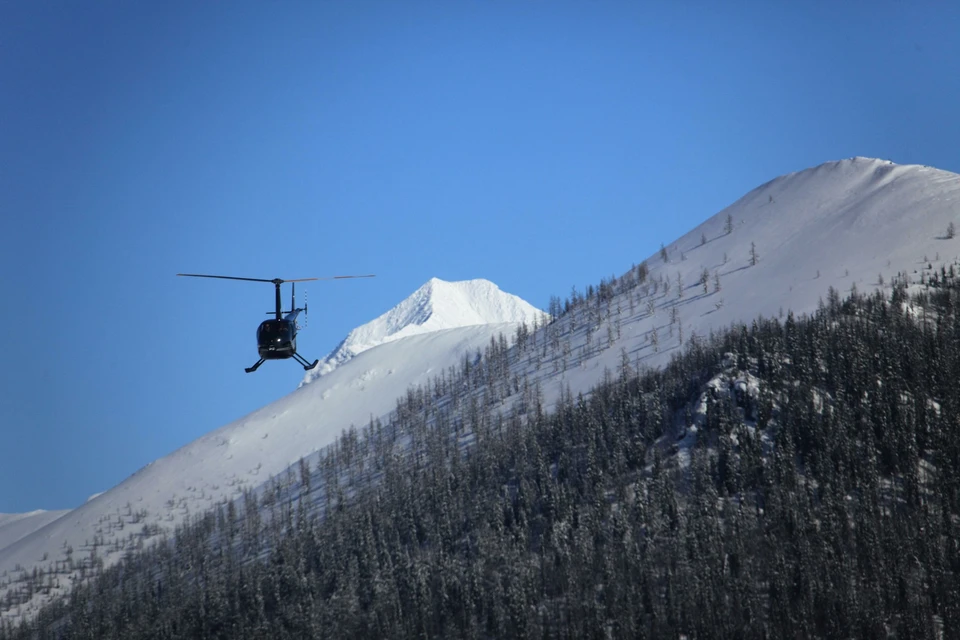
(277, 282)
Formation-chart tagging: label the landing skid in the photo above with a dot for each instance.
(306, 365)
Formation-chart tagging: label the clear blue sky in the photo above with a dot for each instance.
(537, 144)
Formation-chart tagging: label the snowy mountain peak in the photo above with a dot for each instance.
(435, 306)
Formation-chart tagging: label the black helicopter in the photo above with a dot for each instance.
(277, 338)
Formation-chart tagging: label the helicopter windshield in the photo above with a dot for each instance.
(274, 330)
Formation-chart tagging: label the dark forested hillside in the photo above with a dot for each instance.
(797, 477)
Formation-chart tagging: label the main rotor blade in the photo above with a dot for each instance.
(274, 281)
(337, 278)
(201, 275)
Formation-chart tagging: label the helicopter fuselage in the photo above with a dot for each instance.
(277, 338)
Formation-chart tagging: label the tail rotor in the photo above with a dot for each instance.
(293, 304)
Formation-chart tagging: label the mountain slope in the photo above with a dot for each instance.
(436, 305)
(841, 224)
(14, 526)
(837, 225)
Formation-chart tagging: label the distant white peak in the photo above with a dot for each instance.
(435, 306)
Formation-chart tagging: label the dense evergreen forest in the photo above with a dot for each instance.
(795, 477)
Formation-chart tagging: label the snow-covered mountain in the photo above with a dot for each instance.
(435, 306)
(852, 222)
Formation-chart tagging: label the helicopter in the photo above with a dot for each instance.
(277, 337)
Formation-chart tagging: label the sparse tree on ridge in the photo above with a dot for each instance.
(753, 254)
(728, 227)
(642, 272)
(703, 239)
(951, 230)
(663, 253)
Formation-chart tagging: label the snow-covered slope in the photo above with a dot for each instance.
(844, 223)
(841, 224)
(436, 305)
(14, 526)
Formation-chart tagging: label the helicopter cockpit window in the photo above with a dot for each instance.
(274, 330)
